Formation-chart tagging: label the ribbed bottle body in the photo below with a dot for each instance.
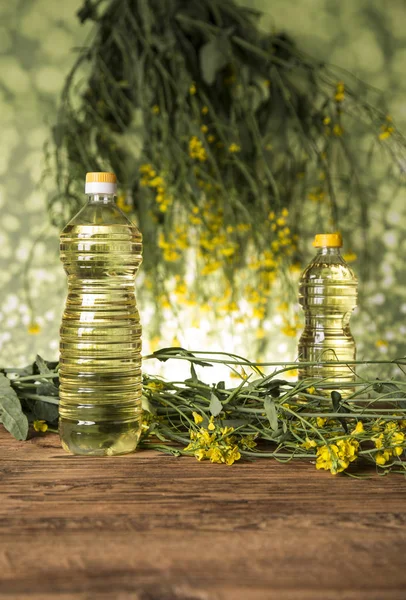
(100, 347)
(328, 295)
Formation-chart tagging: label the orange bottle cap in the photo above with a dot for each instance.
(101, 177)
(328, 240)
(101, 183)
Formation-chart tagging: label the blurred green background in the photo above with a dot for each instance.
(37, 47)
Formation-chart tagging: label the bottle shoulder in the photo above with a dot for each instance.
(96, 217)
(329, 268)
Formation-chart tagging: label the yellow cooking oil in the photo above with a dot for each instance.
(328, 295)
(100, 336)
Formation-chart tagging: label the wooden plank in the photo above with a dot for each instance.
(154, 527)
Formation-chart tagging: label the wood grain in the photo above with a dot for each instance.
(154, 527)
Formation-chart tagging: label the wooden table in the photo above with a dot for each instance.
(153, 527)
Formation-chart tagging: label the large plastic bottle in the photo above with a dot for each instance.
(100, 347)
(328, 295)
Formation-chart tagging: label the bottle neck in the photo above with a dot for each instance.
(101, 198)
(327, 251)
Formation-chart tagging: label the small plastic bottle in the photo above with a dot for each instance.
(328, 295)
(100, 343)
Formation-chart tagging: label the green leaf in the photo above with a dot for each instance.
(45, 411)
(47, 389)
(43, 368)
(271, 413)
(339, 408)
(147, 405)
(165, 354)
(11, 413)
(213, 57)
(390, 391)
(336, 399)
(193, 373)
(215, 406)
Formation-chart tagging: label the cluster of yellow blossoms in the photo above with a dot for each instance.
(266, 265)
(387, 436)
(173, 243)
(387, 129)
(214, 246)
(151, 179)
(216, 443)
(196, 149)
(337, 457)
(389, 440)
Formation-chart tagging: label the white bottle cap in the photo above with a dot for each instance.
(101, 183)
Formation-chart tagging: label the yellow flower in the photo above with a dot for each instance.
(309, 444)
(211, 426)
(211, 268)
(320, 421)
(122, 204)
(359, 428)
(40, 425)
(398, 438)
(232, 455)
(155, 109)
(386, 129)
(146, 169)
(338, 130)
(198, 418)
(382, 457)
(378, 441)
(234, 147)
(205, 110)
(381, 344)
(205, 437)
(225, 431)
(196, 149)
(200, 454)
(34, 328)
(326, 120)
(211, 138)
(155, 385)
(192, 89)
(337, 457)
(157, 182)
(248, 442)
(215, 455)
(295, 268)
(289, 330)
(340, 92)
(349, 257)
(204, 129)
(311, 390)
(325, 455)
(317, 195)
